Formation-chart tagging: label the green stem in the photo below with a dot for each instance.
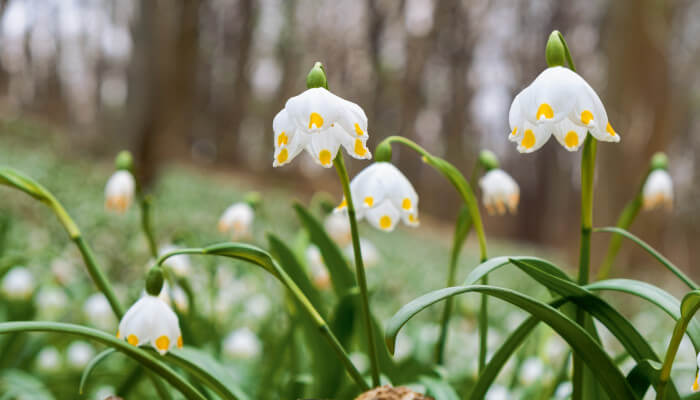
(464, 189)
(147, 224)
(256, 256)
(97, 276)
(359, 268)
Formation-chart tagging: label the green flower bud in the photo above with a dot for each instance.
(124, 161)
(317, 77)
(253, 199)
(488, 160)
(154, 281)
(659, 161)
(383, 152)
(555, 50)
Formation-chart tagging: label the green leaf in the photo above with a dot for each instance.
(207, 370)
(145, 358)
(16, 384)
(438, 389)
(342, 276)
(495, 263)
(581, 341)
(658, 256)
(91, 366)
(656, 296)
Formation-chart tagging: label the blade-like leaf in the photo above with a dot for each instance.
(438, 388)
(91, 366)
(342, 276)
(581, 341)
(658, 256)
(145, 358)
(207, 370)
(17, 384)
(495, 263)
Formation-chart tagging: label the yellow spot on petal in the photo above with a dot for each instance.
(162, 343)
(360, 149)
(179, 342)
(695, 386)
(315, 119)
(515, 130)
(343, 204)
(529, 139)
(359, 130)
(325, 157)
(571, 139)
(369, 200)
(282, 156)
(610, 129)
(385, 222)
(406, 204)
(282, 139)
(586, 117)
(133, 340)
(412, 218)
(545, 110)
(119, 334)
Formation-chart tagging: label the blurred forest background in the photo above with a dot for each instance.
(199, 81)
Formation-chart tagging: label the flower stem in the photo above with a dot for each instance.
(359, 268)
(147, 223)
(465, 191)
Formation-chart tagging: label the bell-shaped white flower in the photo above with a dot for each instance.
(696, 385)
(98, 312)
(320, 122)
(499, 191)
(560, 102)
(370, 254)
(338, 228)
(658, 190)
(179, 264)
(237, 220)
(383, 195)
(319, 273)
(242, 343)
(119, 191)
(48, 360)
(151, 320)
(18, 284)
(79, 354)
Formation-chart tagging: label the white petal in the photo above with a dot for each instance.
(384, 216)
(314, 109)
(353, 119)
(283, 128)
(534, 136)
(658, 190)
(323, 147)
(355, 146)
(516, 120)
(570, 135)
(285, 154)
(554, 90)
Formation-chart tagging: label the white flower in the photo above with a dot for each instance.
(319, 273)
(151, 320)
(79, 354)
(98, 312)
(180, 264)
(558, 102)
(370, 254)
(179, 298)
(658, 190)
(237, 220)
(50, 301)
(18, 284)
(499, 191)
(320, 122)
(105, 393)
(382, 195)
(531, 371)
(564, 390)
(338, 228)
(119, 191)
(48, 360)
(242, 343)
(257, 306)
(63, 271)
(498, 392)
(696, 386)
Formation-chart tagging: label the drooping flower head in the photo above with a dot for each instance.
(119, 191)
(320, 122)
(559, 102)
(18, 284)
(658, 190)
(237, 220)
(499, 191)
(150, 320)
(383, 196)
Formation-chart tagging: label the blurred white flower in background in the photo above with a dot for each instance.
(237, 221)
(319, 273)
(560, 102)
(658, 190)
(104, 393)
(151, 320)
(531, 371)
(119, 191)
(499, 191)
(179, 264)
(564, 390)
(79, 354)
(338, 228)
(63, 271)
(18, 284)
(383, 195)
(320, 122)
(242, 343)
(370, 254)
(179, 298)
(257, 306)
(498, 392)
(360, 360)
(98, 312)
(51, 301)
(48, 360)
